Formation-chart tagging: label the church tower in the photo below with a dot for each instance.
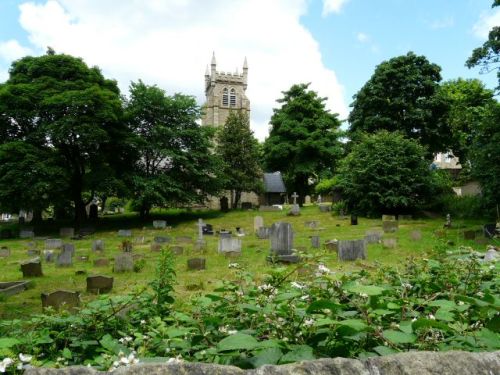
(224, 92)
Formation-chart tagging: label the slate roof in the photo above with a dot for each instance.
(273, 183)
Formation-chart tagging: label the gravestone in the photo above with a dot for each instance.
(65, 259)
(32, 268)
(101, 262)
(124, 233)
(208, 229)
(98, 245)
(263, 233)
(389, 243)
(10, 288)
(177, 250)
(224, 204)
(388, 218)
(258, 222)
(69, 247)
(281, 237)
(307, 199)
(49, 255)
(159, 224)
(61, 299)
(373, 236)
(313, 224)
(325, 207)
(127, 246)
(390, 226)
(196, 264)
(416, 235)
(295, 210)
(469, 235)
(489, 230)
(354, 220)
(200, 243)
(99, 284)
(229, 245)
(53, 244)
(332, 245)
(490, 255)
(123, 263)
(156, 246)
(319, 200)
(246, 205)
(162, 239)
(26, 233)
(4, 252)
(351, 250)
(183, 239)
(315, 243)
(67, 232)
(225, 234)
(140, 240)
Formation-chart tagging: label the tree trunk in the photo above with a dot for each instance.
(104, 198)
(37, 217)
(237, 197)
(80, 212)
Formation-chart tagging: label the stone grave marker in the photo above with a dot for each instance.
(416, 235)
(373, 236)
(125, 233)
(26, 233)
(469, 235)
(447, 224)
(224, 204)
(69, 247)
(99, 284)
(32, 268)
(98, 245)
(389, 243)
(354, 220)
(313, 224)
(53, 244)
(325, 207)
(258, 222)
(162, 239)
(295, 210)
(489, 230)
(388, 218)
(101, 262)
(140, 240)
(229, 245)
(263, 233)
(10, 288)
(127, 246)
(4, 252)
(307, 199)
(159, 224)
(332, 245)
(124, 263)
(390, 226)
(156, 246)
(67, 232)
(281, 239)
(49, 256)
(61, 299)
(65, 259)
(351, 249)
(177, 250)
(200, 243)
(315, 243)
(225, 234)
(196, 264)
(184, 239)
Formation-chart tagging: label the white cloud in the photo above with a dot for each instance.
(486, 22)
(12, 50)
(169, 43)
(332, 6)
(443, 23)
(362, 37)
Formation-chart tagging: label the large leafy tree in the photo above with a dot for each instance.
(239, 151)
(487, 57)
(385, 173)
(401, 96)
(175, 165)
(303, 142)
(58, 105)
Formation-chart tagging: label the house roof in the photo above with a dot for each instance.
(273, 183)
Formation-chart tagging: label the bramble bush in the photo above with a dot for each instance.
(449, 302)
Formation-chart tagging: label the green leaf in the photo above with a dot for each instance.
(443, 304)
(173, 332)
(269, 356)
(287, 296)
(298, 353)
(238, 341)
(355, 324)
(429, 323)
(398, 337)
(370, 290)
(322, 304)
(8, 342)
(67, 353)
(444, 314)
(384, 350)
(382, 312)
(393, 306)
(272, 343)
(489, 338)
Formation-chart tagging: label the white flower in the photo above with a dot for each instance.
(460, 303)
(308, 322)
(233, 265)
(6, 362)
(232, 332)
(364, 295)
(322, 269)
(406, 285)
(143, 321)
(432, 317)
(177, 359)
(223, 329)
(304, 297)
(297, 285)
(25, 358)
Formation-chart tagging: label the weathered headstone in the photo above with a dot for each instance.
(225, 234)
(124, 263)
(127, 246)
(177, 250)
(307, 199)
(224, 204)
(124, 233)
(101, 262)
(162, 239)
(49, 255)
(295, 210)
(388, 218)
(263, 233)
(325, 207)
(416, 235)
(389, 243)
(469, 235)
(53, 243)
(258, 221)
(69, 247)
(61, 299)
(390, 226)
(159, 224)
(373, 236)
(156, 246)
(315, 243)
(26, 233)
(67, 232)
(32, 268)
(10, 288)
(99, 284)
(183, 239)
(65, 259)
(282, 243)
(98, 245)
(4, 252)
(332, 245)
(229, 245)
(354, 220)
(196, 264)
(351, 249)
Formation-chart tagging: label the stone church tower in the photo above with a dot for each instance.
(224, 92)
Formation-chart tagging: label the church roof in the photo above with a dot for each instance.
(273, 183)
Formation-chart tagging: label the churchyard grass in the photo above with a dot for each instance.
(253, 257)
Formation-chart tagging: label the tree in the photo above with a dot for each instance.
(175, 165)
(239, 151)
(468, 101)
(58, 104)
(401, 96)
(303, 142)
(385, 173)
(487, 57)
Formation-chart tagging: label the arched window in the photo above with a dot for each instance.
(225, 97)
(232, 98)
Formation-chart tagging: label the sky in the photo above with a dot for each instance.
(333, 44)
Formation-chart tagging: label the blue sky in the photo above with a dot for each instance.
(334, 44)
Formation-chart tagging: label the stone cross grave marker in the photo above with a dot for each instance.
(4, 252)
(32, 268)
(159, 224)
(416, 235)
(124, 263)
(124, 233)
(373, 236)
(196, 264)
(258, 222)
(98, 245)
(281, 238)
(99, 284)
(61, 299)
(53, 244)
(67, 232)
(200, 243)
(351, 249)
(295, 207)
(229, 245)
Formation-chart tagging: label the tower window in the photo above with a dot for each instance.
(232, 98)
(225, 97)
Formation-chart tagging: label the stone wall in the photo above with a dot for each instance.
(411, 363)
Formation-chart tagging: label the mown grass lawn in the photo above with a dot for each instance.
(253, 256)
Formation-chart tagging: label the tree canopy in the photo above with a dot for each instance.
(303, 141)
(401, 96)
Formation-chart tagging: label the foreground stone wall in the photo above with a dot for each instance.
(411, 363)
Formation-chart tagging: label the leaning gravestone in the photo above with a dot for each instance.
(124, 263)
(67, 232)
(332, 245)
(159, 224)
(390, 226)
(229, 245)
(416, 235)
(26, 233)
(124, 233)
(99, 284)
(282, 243)
(65, 259)
(53, 243)
(101, 262)
(373, 236)
(98, 245)
(4, 252)
(32, 268)
(162, 239)
(196, 264)
(315, 243)
(351, 249)
(61, 299)
(263, 233)
(258, 222)
(389, 243)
